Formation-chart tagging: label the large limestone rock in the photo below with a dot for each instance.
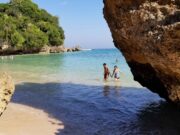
(6, 91)
(148, 34)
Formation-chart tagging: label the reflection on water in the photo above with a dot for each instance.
(101, 110)
(106, 90)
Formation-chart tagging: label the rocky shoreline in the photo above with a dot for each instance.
(7, 88)
(44, 50)
(58, 49)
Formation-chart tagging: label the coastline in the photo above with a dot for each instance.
(19, 119)
(44, 50)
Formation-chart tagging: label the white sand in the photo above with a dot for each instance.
(24, 120)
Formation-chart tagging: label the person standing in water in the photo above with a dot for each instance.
(115, 73)
(106, 71)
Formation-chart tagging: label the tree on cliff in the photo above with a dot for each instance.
(25, 27)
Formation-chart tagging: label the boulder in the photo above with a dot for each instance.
(6, 91)
(148, 35)
(45, 50)
(5, 47)
(69, 50)
(57, 49)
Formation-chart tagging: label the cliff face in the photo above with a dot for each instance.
(6, 91)
(148, 35)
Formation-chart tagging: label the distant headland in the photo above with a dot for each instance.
(25, 28)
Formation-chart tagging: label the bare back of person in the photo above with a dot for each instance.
(106, 72)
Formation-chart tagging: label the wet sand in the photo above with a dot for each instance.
(24, 120)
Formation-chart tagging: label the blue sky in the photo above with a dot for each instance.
(82, 21)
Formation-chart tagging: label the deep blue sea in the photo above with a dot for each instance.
(70, 88)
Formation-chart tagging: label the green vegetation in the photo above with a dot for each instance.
(25, 27)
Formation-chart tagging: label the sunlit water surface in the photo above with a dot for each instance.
(70, 87)
(83, 67)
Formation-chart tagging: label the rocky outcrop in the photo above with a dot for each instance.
(58, 49)
(148, 34)
(43, 50)
(6, 91)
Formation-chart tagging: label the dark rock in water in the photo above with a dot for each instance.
(6, 91)
(148, 35)
(69, 50)
(75, 49)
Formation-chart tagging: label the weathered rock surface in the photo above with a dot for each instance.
(6, 91)
(58, 49)
(148, 35)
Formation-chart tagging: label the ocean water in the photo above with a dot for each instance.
(83, 67)
(70, 88)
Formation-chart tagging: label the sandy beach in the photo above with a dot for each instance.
(24, 120)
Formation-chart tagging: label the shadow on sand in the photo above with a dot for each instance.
(98, 110)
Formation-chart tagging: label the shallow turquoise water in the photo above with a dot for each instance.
(83, 67)
(70, 88)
